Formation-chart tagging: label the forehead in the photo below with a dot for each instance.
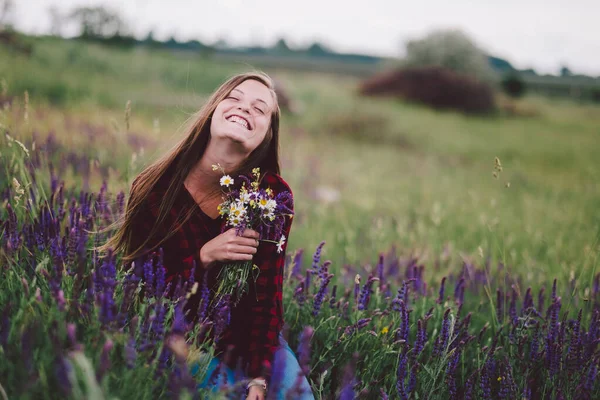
(256, 91)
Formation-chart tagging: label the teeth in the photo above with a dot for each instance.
(239, 120)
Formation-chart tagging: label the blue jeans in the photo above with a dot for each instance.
(286, 376)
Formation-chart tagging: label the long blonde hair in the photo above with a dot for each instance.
(183, 157)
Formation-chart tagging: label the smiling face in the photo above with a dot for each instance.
(244, 116)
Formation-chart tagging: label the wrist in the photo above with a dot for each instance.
(257, 384)
(204, 259)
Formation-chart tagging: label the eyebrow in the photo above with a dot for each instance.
(261, 100)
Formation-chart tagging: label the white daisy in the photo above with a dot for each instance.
(245, 197)
(262, 202)
(271, 204)
(234, 221)
(280, 244)
(237, 209)
(226, 180)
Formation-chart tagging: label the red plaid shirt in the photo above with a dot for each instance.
(252, 335)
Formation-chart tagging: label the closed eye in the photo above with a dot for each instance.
(259, 110)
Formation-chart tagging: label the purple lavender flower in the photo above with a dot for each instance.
(332, 299)
(540, 306)
(590, 378)
(130, 353)
(365, 294)
(401, 375)
(459, 291)
(451, 373)
(307, 281)
(204, 298)
(349, 380)
(160, 275)
(533, 352)
(485, 382)
(512, 308)
(404, 323)
(299, 294)
(380, 265)
(179, 325)
(107, 277)
(104, 360)
(469, 389)
(62, 370)
(500, 305)
(440, 299)
(527, 301)
(222, 315)
(303, 360)
(574, 351)
(442, 340)
(317, 257)
(297, 268)
(402, 295)
(420, 339)
(321, 294)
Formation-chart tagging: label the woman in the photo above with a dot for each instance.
(173, 205)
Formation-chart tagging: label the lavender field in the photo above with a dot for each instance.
(413, 271)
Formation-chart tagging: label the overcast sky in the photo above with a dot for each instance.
(543, 34)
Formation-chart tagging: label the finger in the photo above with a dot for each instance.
(244, 249)
(243, 241)
(251, 234)
(239, 257)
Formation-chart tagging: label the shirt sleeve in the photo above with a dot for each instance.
(266, 318)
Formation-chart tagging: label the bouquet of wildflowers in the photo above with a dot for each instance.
(247, 206)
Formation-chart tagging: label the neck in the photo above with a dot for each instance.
(227, 155)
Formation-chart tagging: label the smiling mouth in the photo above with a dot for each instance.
(237, 119)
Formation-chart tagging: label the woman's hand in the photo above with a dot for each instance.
(228, 246)
(255, 393)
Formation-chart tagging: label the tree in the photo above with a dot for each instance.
(451, 49)
(565, 71)
(98, 22)
(281, 46)
(6, 9)
(318, 49)
(513, 85)
(56, 20)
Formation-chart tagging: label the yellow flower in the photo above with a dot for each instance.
(385, 330)
(256, 171)
(499, 378)
(269, 191)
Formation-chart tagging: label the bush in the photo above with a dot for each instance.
(513, 85)
(436, 87)
(595, 95)
(451, 49)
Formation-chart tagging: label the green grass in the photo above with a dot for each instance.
(406, 175)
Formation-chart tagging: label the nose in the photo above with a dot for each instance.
(244, 108)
